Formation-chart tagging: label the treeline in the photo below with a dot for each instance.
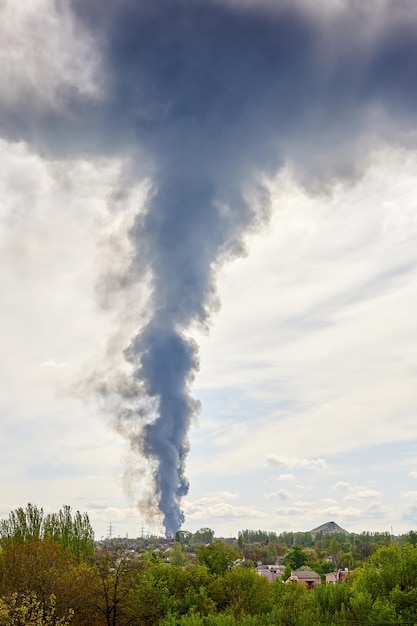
(72, 531)
(343, 549)
(59, 578)
(265, 546)
(308, 539)
(186, 538)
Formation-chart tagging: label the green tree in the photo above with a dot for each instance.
(218, 557)
(240, 541)
(150, 601)
(37, 567)
(176, 556)
(295, 558)
(256, 553)
(183, 537)
(271, 553)
(410, 537)
(117, 575)
(293, 607)
(331, 600)
(383, 613)
(22, 524)
(258, 536)
(165, 590)
(360, 606)
(247, 592)
(335, 553)
(204, 535)
(73, 532)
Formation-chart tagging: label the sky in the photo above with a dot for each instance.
(209, 271)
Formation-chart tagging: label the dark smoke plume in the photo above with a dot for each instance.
(214, 97)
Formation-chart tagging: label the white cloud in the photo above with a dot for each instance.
(276, 460)
(356, 492)
(363, 494)
(282, 494)
(286, 477)
(342, 486)
(297, 510)
(217, 506)
(410, 495)
(377, 510)
(100, 505)
(309, 514)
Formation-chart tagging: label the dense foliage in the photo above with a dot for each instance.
(72, 531)
(47, 580)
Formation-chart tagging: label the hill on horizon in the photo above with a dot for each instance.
(329, 528)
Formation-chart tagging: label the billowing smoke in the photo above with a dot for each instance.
(212, 97)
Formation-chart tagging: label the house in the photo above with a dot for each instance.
(305, 577)
(271, 572)
(336, 577)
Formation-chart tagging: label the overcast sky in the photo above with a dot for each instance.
(294, 130)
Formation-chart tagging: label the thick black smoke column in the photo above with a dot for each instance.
(181, 237)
